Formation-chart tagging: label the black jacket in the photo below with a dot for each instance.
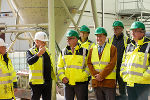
(31, 59)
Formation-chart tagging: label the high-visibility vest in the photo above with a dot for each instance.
(87, 44)
(135, 66)
(73, 66)
(7, 77)
(110, 40)
(99, 65)
(36, 69)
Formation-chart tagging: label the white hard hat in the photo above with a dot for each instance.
(42, 36)
(2, 43)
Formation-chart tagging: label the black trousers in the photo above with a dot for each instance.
(43, 90)
(104, 93)
(138, 92)
(80, 90)
(121, 83)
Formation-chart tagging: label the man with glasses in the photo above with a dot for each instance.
(120, 42)
(72, 68)
(135, 68)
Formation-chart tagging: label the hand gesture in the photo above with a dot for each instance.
(41, 51)
(98, 77)
(65, 80)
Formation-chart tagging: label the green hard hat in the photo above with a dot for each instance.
(85, 29)
(100, 30)
(118, 23)
(136, 25)
(72, 33)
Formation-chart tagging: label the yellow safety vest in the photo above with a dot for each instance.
(110, 40)
(7, 77)
(36, 69)
(135, 67)
(74, 67)
(86, 44)
(99, 65)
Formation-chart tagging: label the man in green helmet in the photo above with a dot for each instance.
(72, 68)
(135, 68)
(120, 42)
(83, 40)
(101, 62)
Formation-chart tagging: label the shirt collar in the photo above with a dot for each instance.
(76, 47)
(102, 45)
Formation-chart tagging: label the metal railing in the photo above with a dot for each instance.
(130, 4)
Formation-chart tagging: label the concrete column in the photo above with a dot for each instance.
(51, 31)
(94, 11)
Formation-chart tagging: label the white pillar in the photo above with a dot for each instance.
(51, 30)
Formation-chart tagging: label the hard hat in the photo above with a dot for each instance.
(2, 43)
(136, 25)
(72, 33)
(85, 29)
(118, 23)
(100, 30)
(42, 36)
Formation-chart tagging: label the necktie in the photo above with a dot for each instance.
(99, 49)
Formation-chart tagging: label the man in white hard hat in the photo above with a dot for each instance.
(8, 79)
(41, 68)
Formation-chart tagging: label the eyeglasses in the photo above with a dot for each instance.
(136, 31)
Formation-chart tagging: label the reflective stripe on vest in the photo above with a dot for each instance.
(101, 62)
(5, 82)
(6, 74)
(33, 77)
(134, 64)
(100, 70)
(148, 71)
(87, 72)
(90, 46)
(36, 71)
(73, 66)
(37, 77)
(99, 65)
(125, 40)
(60, 73)
(132, 72)
(14, 78)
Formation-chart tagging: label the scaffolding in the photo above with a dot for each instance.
(135, 9)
